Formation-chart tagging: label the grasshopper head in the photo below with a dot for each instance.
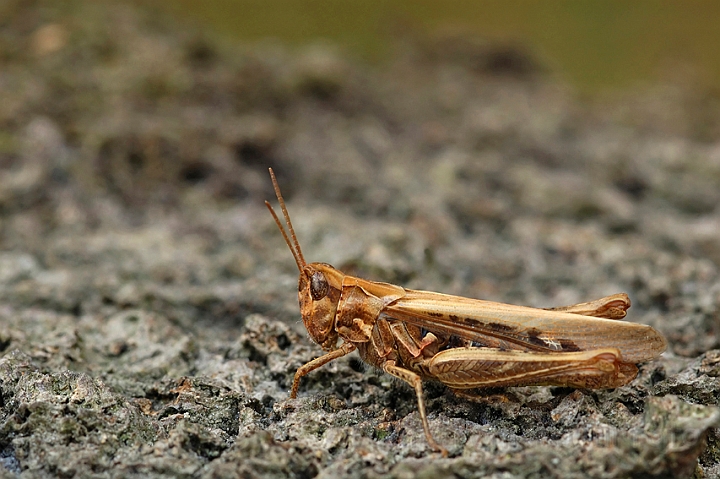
(319, 288)
(319, 285)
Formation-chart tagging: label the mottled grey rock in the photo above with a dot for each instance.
(149, 324)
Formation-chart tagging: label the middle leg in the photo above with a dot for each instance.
(414, 380)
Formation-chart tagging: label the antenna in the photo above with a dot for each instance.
(294, 245)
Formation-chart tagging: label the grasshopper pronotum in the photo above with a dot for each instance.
(464, 343)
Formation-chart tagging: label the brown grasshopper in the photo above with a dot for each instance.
(464, 343)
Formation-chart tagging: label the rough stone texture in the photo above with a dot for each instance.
(148, 316)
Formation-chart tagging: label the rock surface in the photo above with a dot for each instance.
(148, 316)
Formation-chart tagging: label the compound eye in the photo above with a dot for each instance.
(318, 286)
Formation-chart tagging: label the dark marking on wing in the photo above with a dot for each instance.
(453, 318)
(533, 336)
(499, 327)
(559, 344)
(568, 345)
(434, 314)
(473, 322)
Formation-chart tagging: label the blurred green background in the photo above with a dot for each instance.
(596, 45)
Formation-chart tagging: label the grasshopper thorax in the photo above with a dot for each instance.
(319, 288)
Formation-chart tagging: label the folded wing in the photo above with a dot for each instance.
(525, 329)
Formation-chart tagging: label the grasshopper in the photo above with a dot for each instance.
(464, 343)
